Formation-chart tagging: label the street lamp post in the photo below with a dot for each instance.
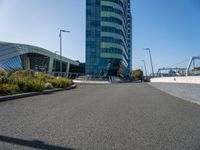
(60, 35)
(144, 67)
(148, 49)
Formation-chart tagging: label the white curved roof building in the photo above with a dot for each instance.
(21, 56)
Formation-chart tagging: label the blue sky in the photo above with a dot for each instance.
(171, 28)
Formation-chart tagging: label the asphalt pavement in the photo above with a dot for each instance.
(131, 116)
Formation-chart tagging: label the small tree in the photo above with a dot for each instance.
(137, 74)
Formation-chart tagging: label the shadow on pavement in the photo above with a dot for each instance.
(33, 144)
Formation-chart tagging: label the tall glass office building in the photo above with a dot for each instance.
(108, 37)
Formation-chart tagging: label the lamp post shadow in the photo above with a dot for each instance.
(33, 144)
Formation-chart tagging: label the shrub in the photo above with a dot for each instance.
(23, 74)
(8, 89)
(3, 76)
(43, 76)
(48, 86)
(26, 81)
(28, 85)
(34, 85)
(137, 74)
(30, 81)
(60, 82)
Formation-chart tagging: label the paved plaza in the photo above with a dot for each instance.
(131, 116)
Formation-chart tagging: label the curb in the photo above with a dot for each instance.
(90, 82)
(22, 95)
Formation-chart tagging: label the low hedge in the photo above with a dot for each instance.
(23, 74)
(8, 89)
(29, 81)
(27, 84)
(60, 82)
(3, 76)
(43, 76)
(26, 81)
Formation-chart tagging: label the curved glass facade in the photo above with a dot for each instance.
(108, 37)
(12, 64)
(15, 57)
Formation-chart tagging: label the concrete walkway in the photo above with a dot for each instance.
(189, 92)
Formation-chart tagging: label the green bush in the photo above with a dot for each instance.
(8, 89)
(23, 74)
(29, 81)
(26, 81)
(28, 85)
(61, 82)
(48, 86)
(34, 85)
(43, 76)
(137, 74)
(3, 76)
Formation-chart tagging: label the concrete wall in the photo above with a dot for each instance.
(189, 79)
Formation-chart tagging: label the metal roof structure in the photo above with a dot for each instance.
(10, 50)
(14, 56)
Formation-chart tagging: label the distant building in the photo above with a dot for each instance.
(108, 37)
(20, 56)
